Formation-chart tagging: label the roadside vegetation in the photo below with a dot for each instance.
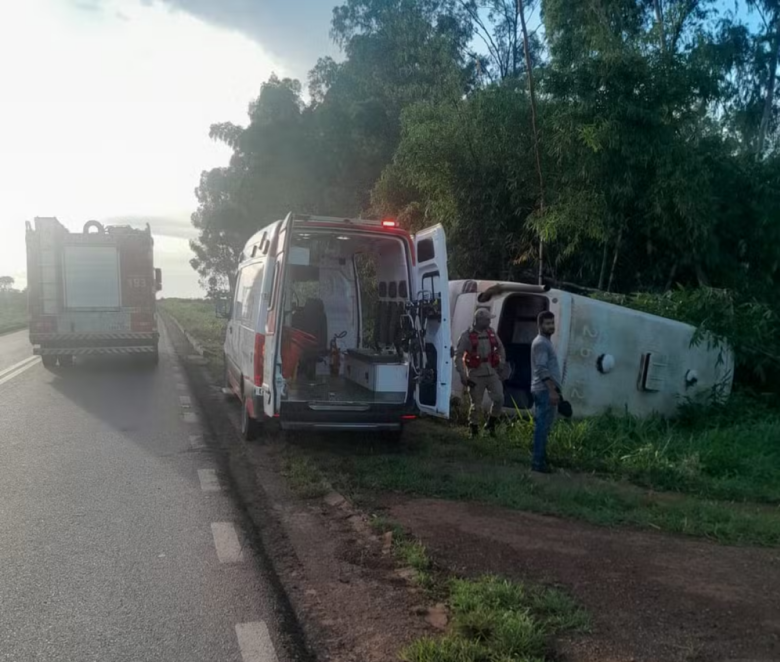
(199, 317)
(13, 309)
(713, 472)
(489, 618)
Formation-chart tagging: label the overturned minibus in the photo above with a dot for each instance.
(611, 357)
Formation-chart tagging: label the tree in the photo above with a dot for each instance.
(769, 11)
(6, 283)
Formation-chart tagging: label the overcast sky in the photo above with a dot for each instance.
(105, 107)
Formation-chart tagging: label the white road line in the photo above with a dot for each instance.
(196, 442)
(255, 643)
(30, 364)
(29, 359)
(208, 480)
(185, 401)
(190, 417)
(227, 544)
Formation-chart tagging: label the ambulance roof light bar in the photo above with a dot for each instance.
(307, 218)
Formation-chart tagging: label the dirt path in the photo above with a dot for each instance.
(652, 597)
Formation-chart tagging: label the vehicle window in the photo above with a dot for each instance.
(425, 250)
(431, 284)
(248, 290)
(365, 272)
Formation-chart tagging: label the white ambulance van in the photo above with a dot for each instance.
(612, 357)
(340, 324)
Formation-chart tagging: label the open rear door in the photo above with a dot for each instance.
(279, 245)
(431, 282)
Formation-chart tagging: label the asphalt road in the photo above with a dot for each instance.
(14, 348)
(119, 540)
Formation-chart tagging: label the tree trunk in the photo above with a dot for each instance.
(532, 95)
(615, 260)
(672, 274)
(659, 17)
(701, 275)
(603, 271)
(770, 87)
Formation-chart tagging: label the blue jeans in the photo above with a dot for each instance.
(544, 417)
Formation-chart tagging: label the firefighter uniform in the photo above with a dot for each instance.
(480, 359)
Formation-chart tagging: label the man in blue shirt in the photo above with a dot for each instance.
(545, 388)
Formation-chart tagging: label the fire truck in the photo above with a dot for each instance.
(91, 293)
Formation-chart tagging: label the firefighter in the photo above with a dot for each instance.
(480, 359)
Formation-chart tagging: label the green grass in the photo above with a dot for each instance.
(727, 452)
(199, 318)
(409, 553)
(713, 473)
(13, 311)
(441, 461)
(491, 618)
(304, 478)
(495, 620)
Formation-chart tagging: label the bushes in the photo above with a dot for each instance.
(13, 310)
(729, 452)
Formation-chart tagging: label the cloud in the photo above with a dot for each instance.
(175, 227)
(295, 32)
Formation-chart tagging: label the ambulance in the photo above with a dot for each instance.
(339, 324)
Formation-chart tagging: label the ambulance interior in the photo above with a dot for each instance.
(344, 296)
(517, 328)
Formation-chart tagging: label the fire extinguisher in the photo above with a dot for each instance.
(335, 354)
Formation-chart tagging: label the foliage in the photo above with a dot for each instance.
(496, 619)
(13, 309)
(658, 128)
(199, 319)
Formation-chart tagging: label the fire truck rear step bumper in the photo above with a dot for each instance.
(82, 351)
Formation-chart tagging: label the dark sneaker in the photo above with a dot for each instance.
(543, 469)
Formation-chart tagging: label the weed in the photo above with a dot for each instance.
(199, 318)
(446, 649)
(496, 620)
(305, 479)
(381, 524)
(412, 553)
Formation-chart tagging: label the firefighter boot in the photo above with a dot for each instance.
(473, 430)
(490, 426)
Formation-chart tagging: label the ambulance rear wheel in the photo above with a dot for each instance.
(66, 361)
(49, 362)
(250, 428)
